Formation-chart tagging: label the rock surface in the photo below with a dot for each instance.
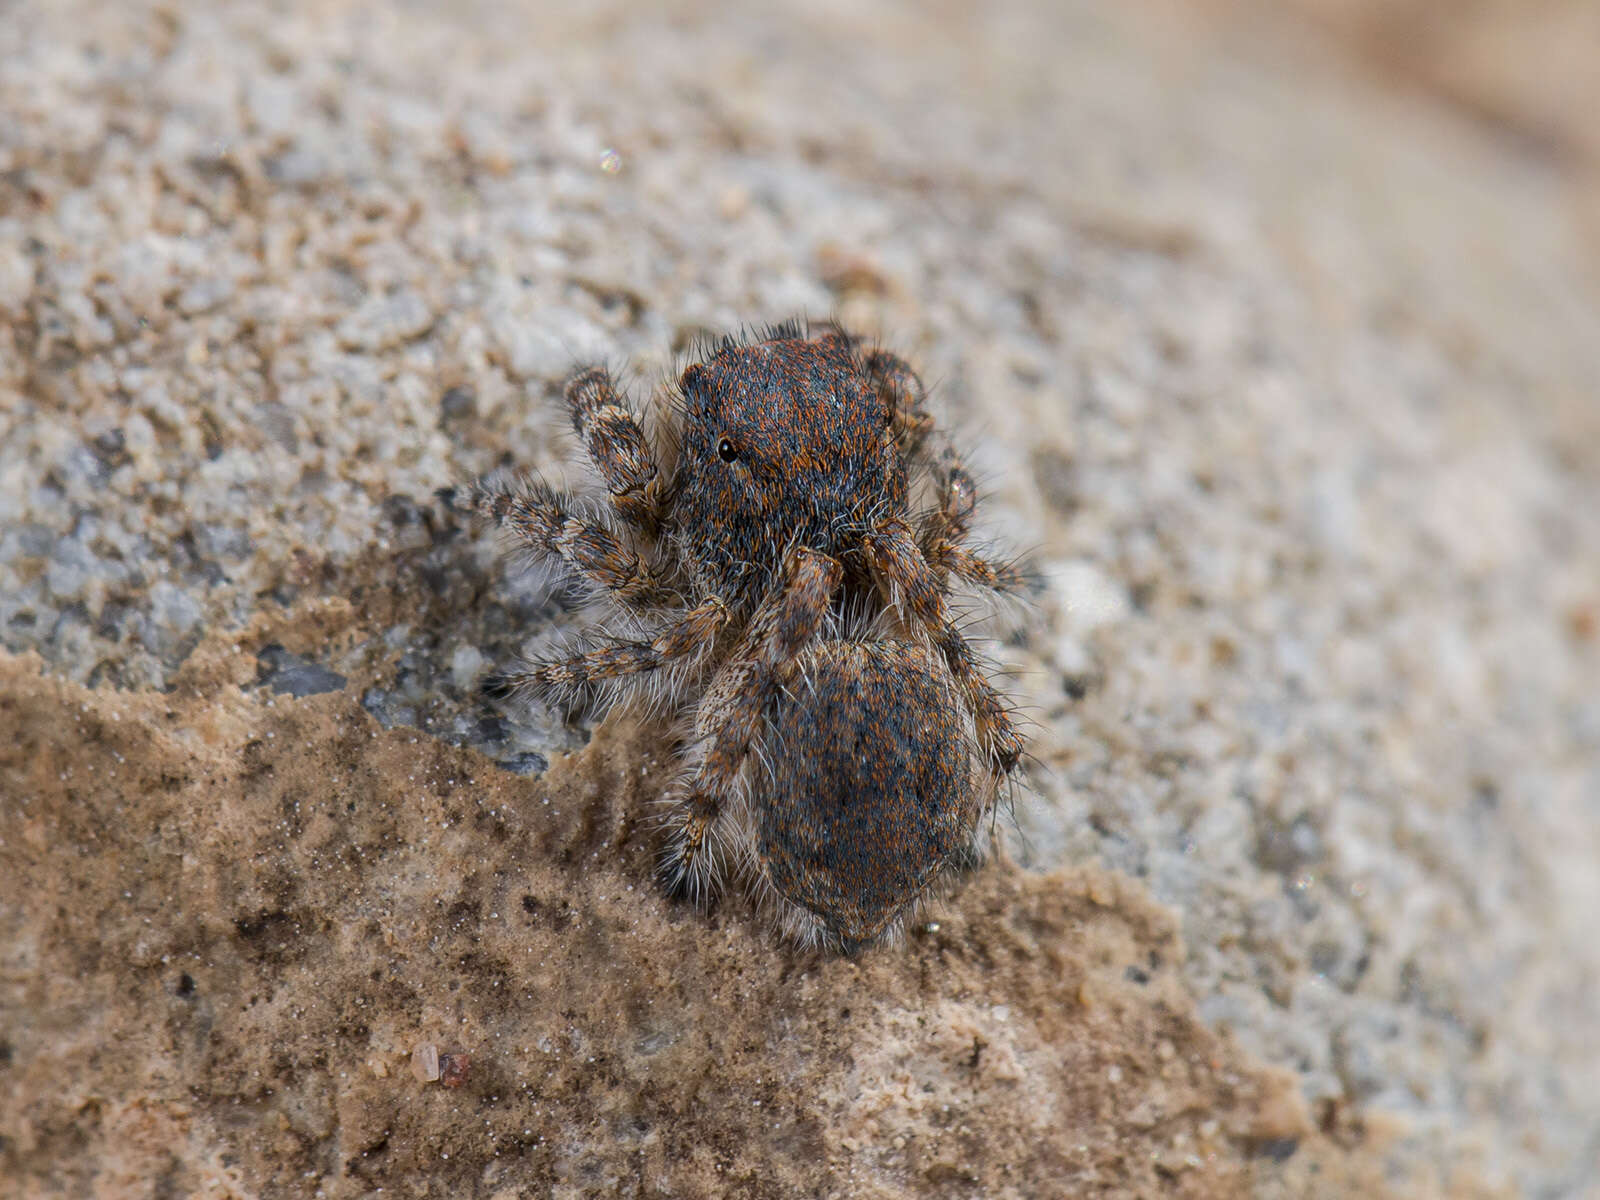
(1285, 380)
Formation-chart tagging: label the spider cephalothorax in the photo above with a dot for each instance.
(784, 442)
(842, 742)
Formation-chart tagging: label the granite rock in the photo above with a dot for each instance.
(1285, 379)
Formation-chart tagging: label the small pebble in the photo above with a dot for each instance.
(425, 1062)
(453, 1069)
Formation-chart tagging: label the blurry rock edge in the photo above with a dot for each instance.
(1288, 383)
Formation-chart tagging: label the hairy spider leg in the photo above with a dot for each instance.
(541, 518)
(730, 716)
(947, 526)
(617, 447)
(911, 584)
(566, 679)
(903, 396)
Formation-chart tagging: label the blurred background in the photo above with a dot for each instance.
(1524, 68)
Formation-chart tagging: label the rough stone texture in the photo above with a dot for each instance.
(1287, 381)
(238, 919)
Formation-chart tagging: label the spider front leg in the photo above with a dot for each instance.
(565, 680)
(903, 395)
(617, 447)
(912, 584)
(541, 518)
(947, 527)
(731, 713)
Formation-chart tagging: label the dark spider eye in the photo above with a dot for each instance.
(727, 451)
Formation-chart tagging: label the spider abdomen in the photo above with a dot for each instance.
(869, 792)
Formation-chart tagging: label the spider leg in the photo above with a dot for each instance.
(730, 715)
(914, 586)
(617, 447)
(541, 518)
(958, 500)
(976, 568)
(903, 396)
(566, 679)
(947, 526)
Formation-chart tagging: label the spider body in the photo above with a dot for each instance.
(841, 742)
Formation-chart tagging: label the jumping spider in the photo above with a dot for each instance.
(842, 743)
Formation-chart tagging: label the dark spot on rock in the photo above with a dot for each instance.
(1486, 793)
(945, 1177)
(457, 404)
(1057, 477)
(437, 578)
(1076, 686)
(115, 616)
(270, 936)
(1136, 975)
(559, 915)
(111, 448)
(1287, 849)
(257, 924)
(185, 985)
(196, 564)
(526, 763)
(285, 672)
(1277, 1149)
(401, 510)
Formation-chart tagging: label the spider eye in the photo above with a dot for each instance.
(727, 451)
